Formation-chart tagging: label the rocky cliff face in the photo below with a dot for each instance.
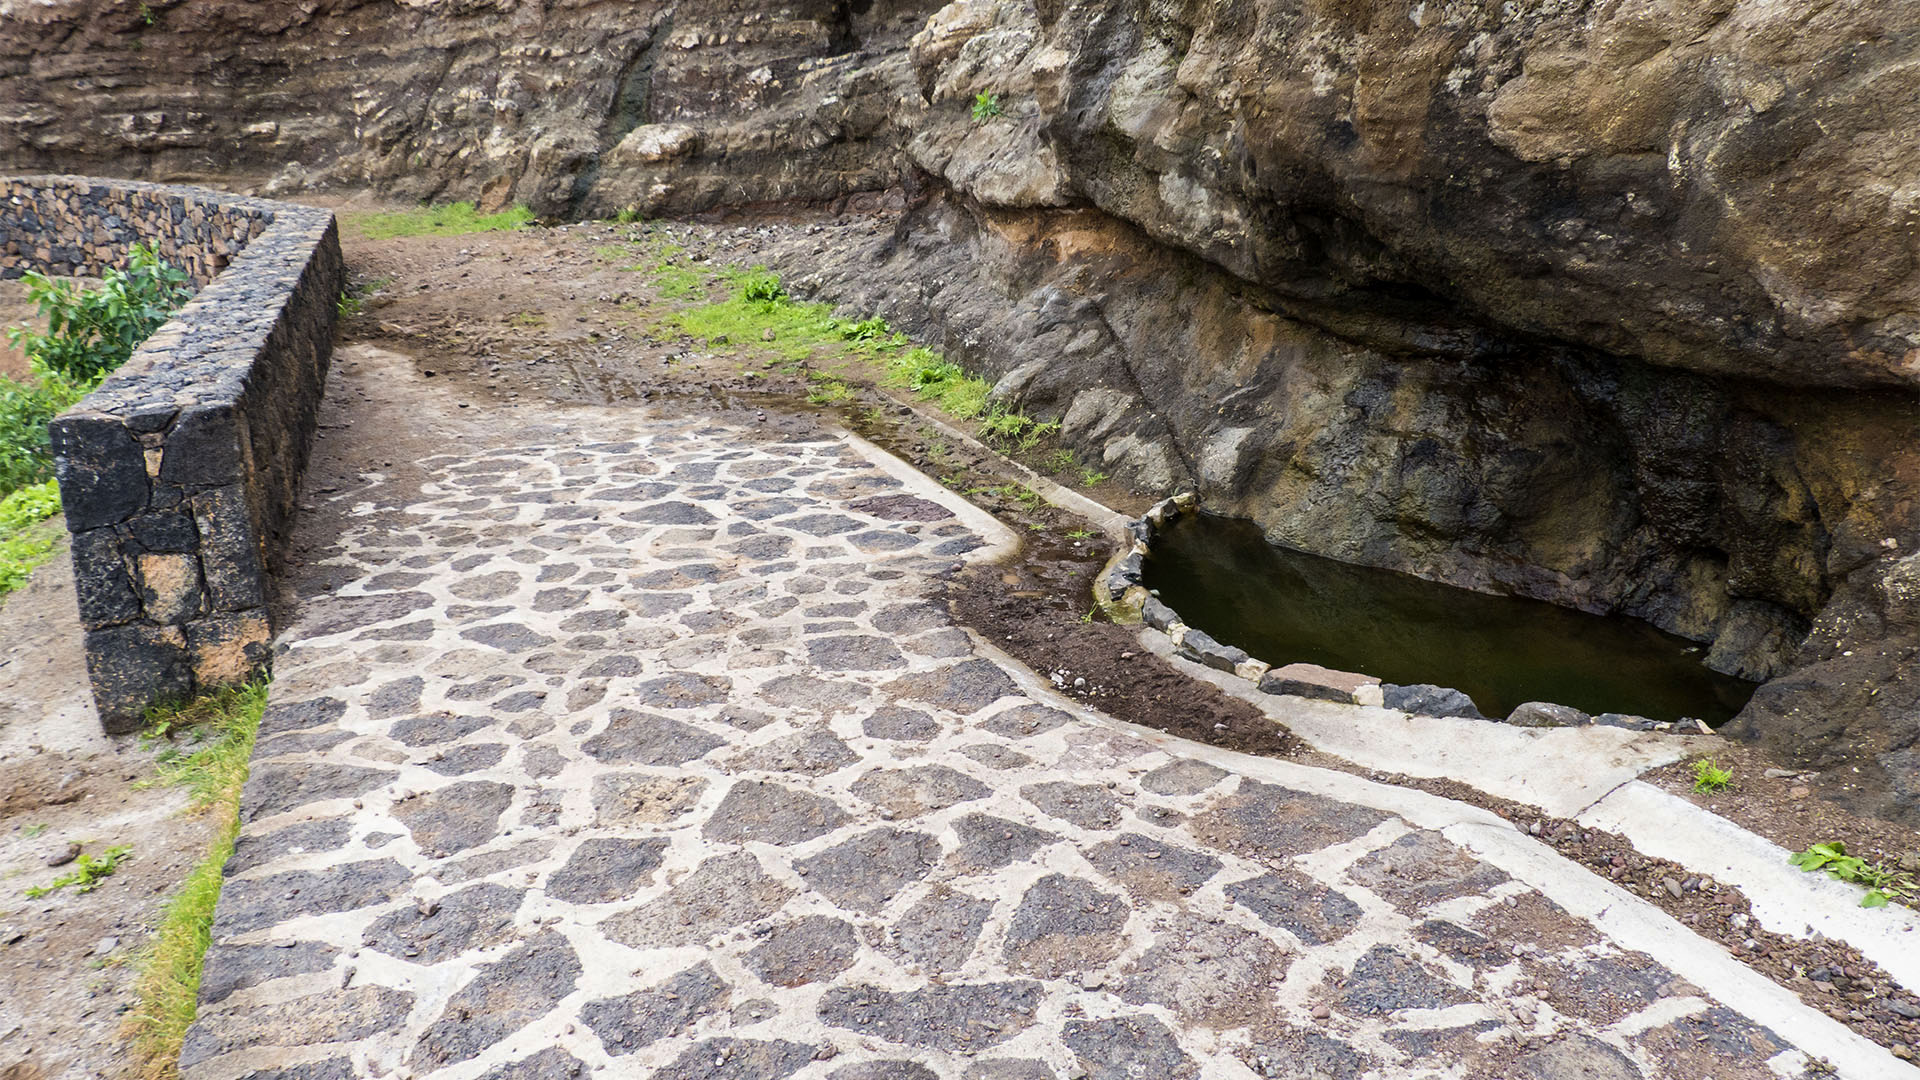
(1609, 302)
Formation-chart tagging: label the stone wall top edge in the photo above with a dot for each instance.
(272, 208)
(202, 354)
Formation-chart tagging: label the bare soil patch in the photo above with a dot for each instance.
(1035, 608)
(68, 960)
(15, 310)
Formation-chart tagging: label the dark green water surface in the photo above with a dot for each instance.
(1286, 607)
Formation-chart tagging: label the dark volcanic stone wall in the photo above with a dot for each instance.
(79, 227)
(178, 475)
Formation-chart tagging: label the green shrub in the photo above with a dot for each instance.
(29, 506)
(986, 106)
(25, 409)
(762, 288)
(92, 331)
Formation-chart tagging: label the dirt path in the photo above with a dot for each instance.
(67, 960)
(635, 740)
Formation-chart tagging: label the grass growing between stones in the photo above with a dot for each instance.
(448, 219)
(218, 729)
(28, 536)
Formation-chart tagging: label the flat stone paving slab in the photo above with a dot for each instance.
(598, 761)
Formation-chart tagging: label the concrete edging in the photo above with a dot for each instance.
(1629, 920)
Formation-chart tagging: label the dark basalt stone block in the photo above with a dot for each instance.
(229, 550)
(163, 532)
(131, 667)
(101, 469)
(203, 449)
(1425, 699)
(1547, 714)
(1158, 615)
(1623, 720)
(101, 583)
(1199, 647)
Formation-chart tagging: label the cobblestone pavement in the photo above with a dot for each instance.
(646, 754)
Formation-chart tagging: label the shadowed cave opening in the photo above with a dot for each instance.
(1284, 606)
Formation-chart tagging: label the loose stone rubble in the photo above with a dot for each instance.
(639, 747)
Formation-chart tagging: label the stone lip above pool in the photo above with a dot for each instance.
(1127, 595)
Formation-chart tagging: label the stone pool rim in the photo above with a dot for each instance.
(1121, 588)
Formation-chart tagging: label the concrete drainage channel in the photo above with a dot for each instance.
(1571, 766)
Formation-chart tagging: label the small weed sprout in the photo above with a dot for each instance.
(353, 297)
(986, 106)
(1061, 461)
(1091, 478)
(1882, 885)
(1709, 778)
(1080, 534)
(87, 874)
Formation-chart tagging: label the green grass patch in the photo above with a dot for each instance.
(759, 305)
(215, 734)
(759, 313)
(27, 536)
(447, 219)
